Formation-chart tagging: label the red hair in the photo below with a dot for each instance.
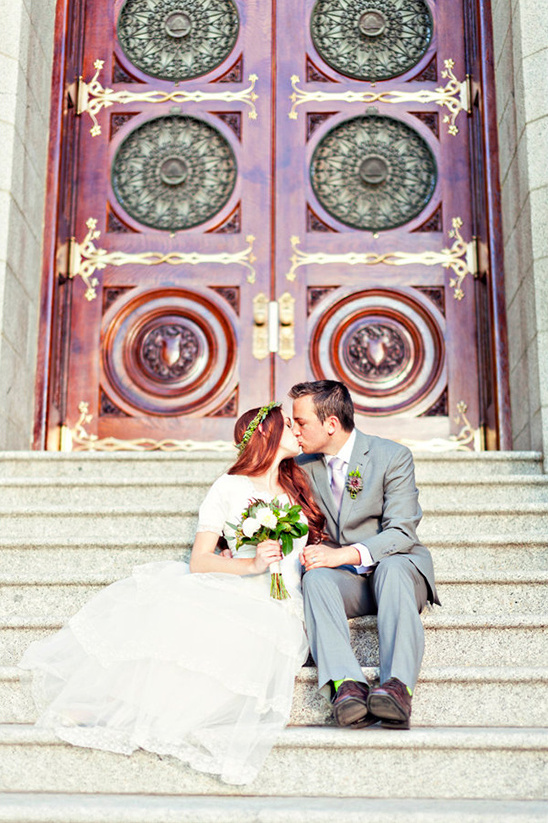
(258, 455)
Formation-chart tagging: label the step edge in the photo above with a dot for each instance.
(321, 737)
(432, 674)
(432, 620)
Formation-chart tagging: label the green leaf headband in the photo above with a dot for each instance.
(257, 420)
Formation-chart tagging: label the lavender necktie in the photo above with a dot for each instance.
(338, 479)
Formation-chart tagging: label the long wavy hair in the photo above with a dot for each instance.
(258, 456)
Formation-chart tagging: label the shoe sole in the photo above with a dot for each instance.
(350, 713)
(388, 711)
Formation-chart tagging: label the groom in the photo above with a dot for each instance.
(373, 562)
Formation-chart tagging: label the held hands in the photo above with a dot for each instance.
(318, 555)
(268, 552)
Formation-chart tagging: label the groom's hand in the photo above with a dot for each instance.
(318, 555)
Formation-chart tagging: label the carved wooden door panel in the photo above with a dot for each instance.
(169, 263)
(375, 180)
(253, 194)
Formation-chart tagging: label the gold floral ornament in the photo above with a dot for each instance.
(92, 97)
(454, 96)
(78, 439)
(458, 258)
(468, 438)
(85, 258)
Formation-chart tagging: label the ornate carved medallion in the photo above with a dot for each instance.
(177, 39)
(169, 351)
(387, 346)
(373, 172)
(371, 39)
(174, 172)
(376, 351)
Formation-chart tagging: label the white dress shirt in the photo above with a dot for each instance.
(345, 454)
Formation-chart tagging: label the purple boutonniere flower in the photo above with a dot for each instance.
(354, 483)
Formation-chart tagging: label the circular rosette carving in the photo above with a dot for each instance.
(177, 39)
(373, 173)
(173, 172)
(371, 39)
(169, 351)
(386, 346)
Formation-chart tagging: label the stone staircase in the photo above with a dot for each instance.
(71, 523)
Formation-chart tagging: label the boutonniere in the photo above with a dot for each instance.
(354, 483)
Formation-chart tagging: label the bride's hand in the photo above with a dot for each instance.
(267, 552)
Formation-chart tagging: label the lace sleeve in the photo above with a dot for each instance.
(214, 510)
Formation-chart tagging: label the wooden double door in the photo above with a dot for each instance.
(244, 195)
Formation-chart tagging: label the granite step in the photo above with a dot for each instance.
(186, 494)
(169, 524)
(205, 466)
(74, 808)
(472, 763)
(52, 558)
(202, 465)
(444, 696)
(451, 639)
(464, 590)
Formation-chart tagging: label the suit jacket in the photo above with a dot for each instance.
(384, 516)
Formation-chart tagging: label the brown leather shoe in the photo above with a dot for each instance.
(391, 703)
(350, 705)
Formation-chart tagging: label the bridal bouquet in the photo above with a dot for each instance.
(270, 521)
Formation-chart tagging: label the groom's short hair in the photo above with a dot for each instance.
(330, 398)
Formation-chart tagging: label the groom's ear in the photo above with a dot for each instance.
(333, 424)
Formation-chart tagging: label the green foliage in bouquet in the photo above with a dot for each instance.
(270, 521)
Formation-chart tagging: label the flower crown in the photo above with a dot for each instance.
(257, 420)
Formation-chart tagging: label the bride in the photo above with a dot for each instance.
(197, 665)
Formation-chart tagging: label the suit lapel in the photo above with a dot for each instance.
(358, 460)
(321, 482)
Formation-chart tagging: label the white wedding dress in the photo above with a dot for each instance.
(197, 666)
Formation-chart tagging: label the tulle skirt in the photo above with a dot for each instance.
(197, 666)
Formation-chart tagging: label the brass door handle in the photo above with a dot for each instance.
(286, 333)
(274, 326)
(260, 327)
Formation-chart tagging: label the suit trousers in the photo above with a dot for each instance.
(395, 591)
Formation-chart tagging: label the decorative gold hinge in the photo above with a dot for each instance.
(68, 259)
(466, 94)
(92, 97)
(472, 256)
(78, 94)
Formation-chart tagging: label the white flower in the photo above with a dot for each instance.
(266, 518)
(250, 526)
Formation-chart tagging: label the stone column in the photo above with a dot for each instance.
(521, 59)
(26, 48)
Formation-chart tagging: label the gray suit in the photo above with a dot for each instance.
(384, 516)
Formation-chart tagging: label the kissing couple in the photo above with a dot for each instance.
(199, 661)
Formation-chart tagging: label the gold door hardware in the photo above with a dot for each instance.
(454, 96)
(274, 326)
(84, 259)
(92, 97)
(286, 345)
(260, 327)
(460, 258)
(78, 438)
(468, 438)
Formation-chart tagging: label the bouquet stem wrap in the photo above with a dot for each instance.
(278, 590)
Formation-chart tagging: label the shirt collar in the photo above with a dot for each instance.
(346, 452)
